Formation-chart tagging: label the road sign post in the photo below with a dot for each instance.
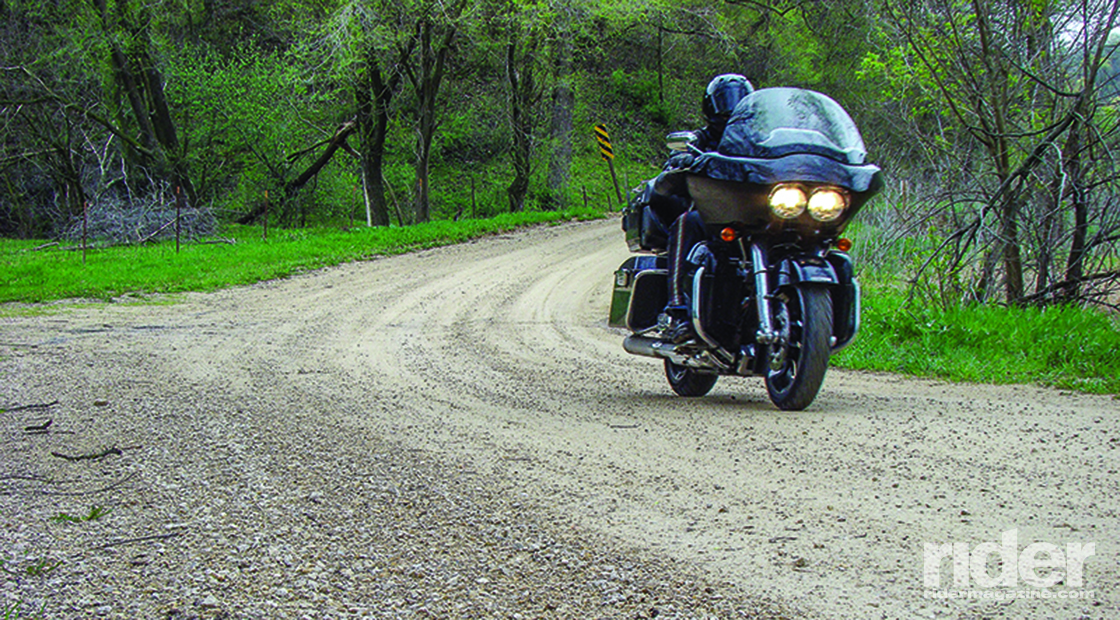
(607, 153)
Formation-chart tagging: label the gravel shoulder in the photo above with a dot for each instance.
(456, 433)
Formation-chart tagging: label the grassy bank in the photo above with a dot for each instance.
(1064, 347)
(27, 275)
(1069, 348)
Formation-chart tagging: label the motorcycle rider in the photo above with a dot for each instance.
(670, 200)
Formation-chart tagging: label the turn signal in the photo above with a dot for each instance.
(728, 234)
(843, 244)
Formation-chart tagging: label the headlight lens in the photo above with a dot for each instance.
(788, 201)
(827, 204)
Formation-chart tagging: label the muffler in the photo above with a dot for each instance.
(652, 347)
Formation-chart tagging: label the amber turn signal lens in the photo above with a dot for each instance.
(728, 234)
(844, 245)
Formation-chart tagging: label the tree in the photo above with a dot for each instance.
(1001, 70)
(83, 87)
(155, 145)
(372, 56)
(424, 54)
(523, 46)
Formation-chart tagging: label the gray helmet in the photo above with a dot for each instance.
(723, 92)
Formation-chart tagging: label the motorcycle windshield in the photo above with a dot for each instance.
(775, 122)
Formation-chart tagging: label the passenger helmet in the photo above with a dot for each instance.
(723, 92)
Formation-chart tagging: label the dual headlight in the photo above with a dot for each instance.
(825, 204)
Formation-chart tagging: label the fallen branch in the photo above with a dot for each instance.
(158, 231)
(26, 407)
(89, 457)
(334, 143)
(1046, 294)
(38, 428)
(44, 246)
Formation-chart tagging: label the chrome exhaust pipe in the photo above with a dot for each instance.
(652, 347)
(643, 345)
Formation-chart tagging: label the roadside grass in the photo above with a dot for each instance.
(1064, 347)
(58, 273)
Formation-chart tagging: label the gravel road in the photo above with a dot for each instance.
(456, 433)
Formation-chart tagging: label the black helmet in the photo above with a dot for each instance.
(723, 92)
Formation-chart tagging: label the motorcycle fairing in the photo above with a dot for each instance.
(805, 167)
(781, 135)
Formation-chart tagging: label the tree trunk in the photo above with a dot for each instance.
(1012, 258)
(521, 121)
(433, 57)
(373, 96)
(1075, 263)
(163, 127)
(337, 141)
(561, 128)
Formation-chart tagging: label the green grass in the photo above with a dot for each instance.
(59, 273)
(1065, 347)
(95, 513)
(14, 611)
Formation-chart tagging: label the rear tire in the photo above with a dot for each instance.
(688, 382)
(803, 315)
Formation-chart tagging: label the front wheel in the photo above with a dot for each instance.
(687, 381)
(798, 361)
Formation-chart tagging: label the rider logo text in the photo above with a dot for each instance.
(1038, 565)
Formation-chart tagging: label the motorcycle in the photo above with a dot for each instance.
(772, 290)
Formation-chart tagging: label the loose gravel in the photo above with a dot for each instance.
(457, 434)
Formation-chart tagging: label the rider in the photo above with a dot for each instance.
(670, 200)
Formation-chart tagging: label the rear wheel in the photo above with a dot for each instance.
(803, 320)
(687, 381)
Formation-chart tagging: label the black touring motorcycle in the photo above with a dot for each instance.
(773, 292)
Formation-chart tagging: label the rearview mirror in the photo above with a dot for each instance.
(681, 141)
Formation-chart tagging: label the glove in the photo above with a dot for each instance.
(680, 161)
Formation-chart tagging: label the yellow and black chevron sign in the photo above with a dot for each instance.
(605, 150)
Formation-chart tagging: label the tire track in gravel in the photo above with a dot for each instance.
(508, 354)
(493, 357)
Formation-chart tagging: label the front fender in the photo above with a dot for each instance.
(835, 271)
(806, 269)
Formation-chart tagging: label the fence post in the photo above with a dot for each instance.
(178, 215)
(85, 226)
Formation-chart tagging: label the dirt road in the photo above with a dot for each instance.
(457, 433)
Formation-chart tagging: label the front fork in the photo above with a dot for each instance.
(766, 333)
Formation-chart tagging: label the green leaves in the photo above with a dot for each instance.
(95, 513)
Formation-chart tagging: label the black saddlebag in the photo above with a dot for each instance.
(644, 231)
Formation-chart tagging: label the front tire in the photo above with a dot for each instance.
(803, 318)
(687, 381)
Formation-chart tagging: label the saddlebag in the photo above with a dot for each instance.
(644, 231)
(640, 292)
